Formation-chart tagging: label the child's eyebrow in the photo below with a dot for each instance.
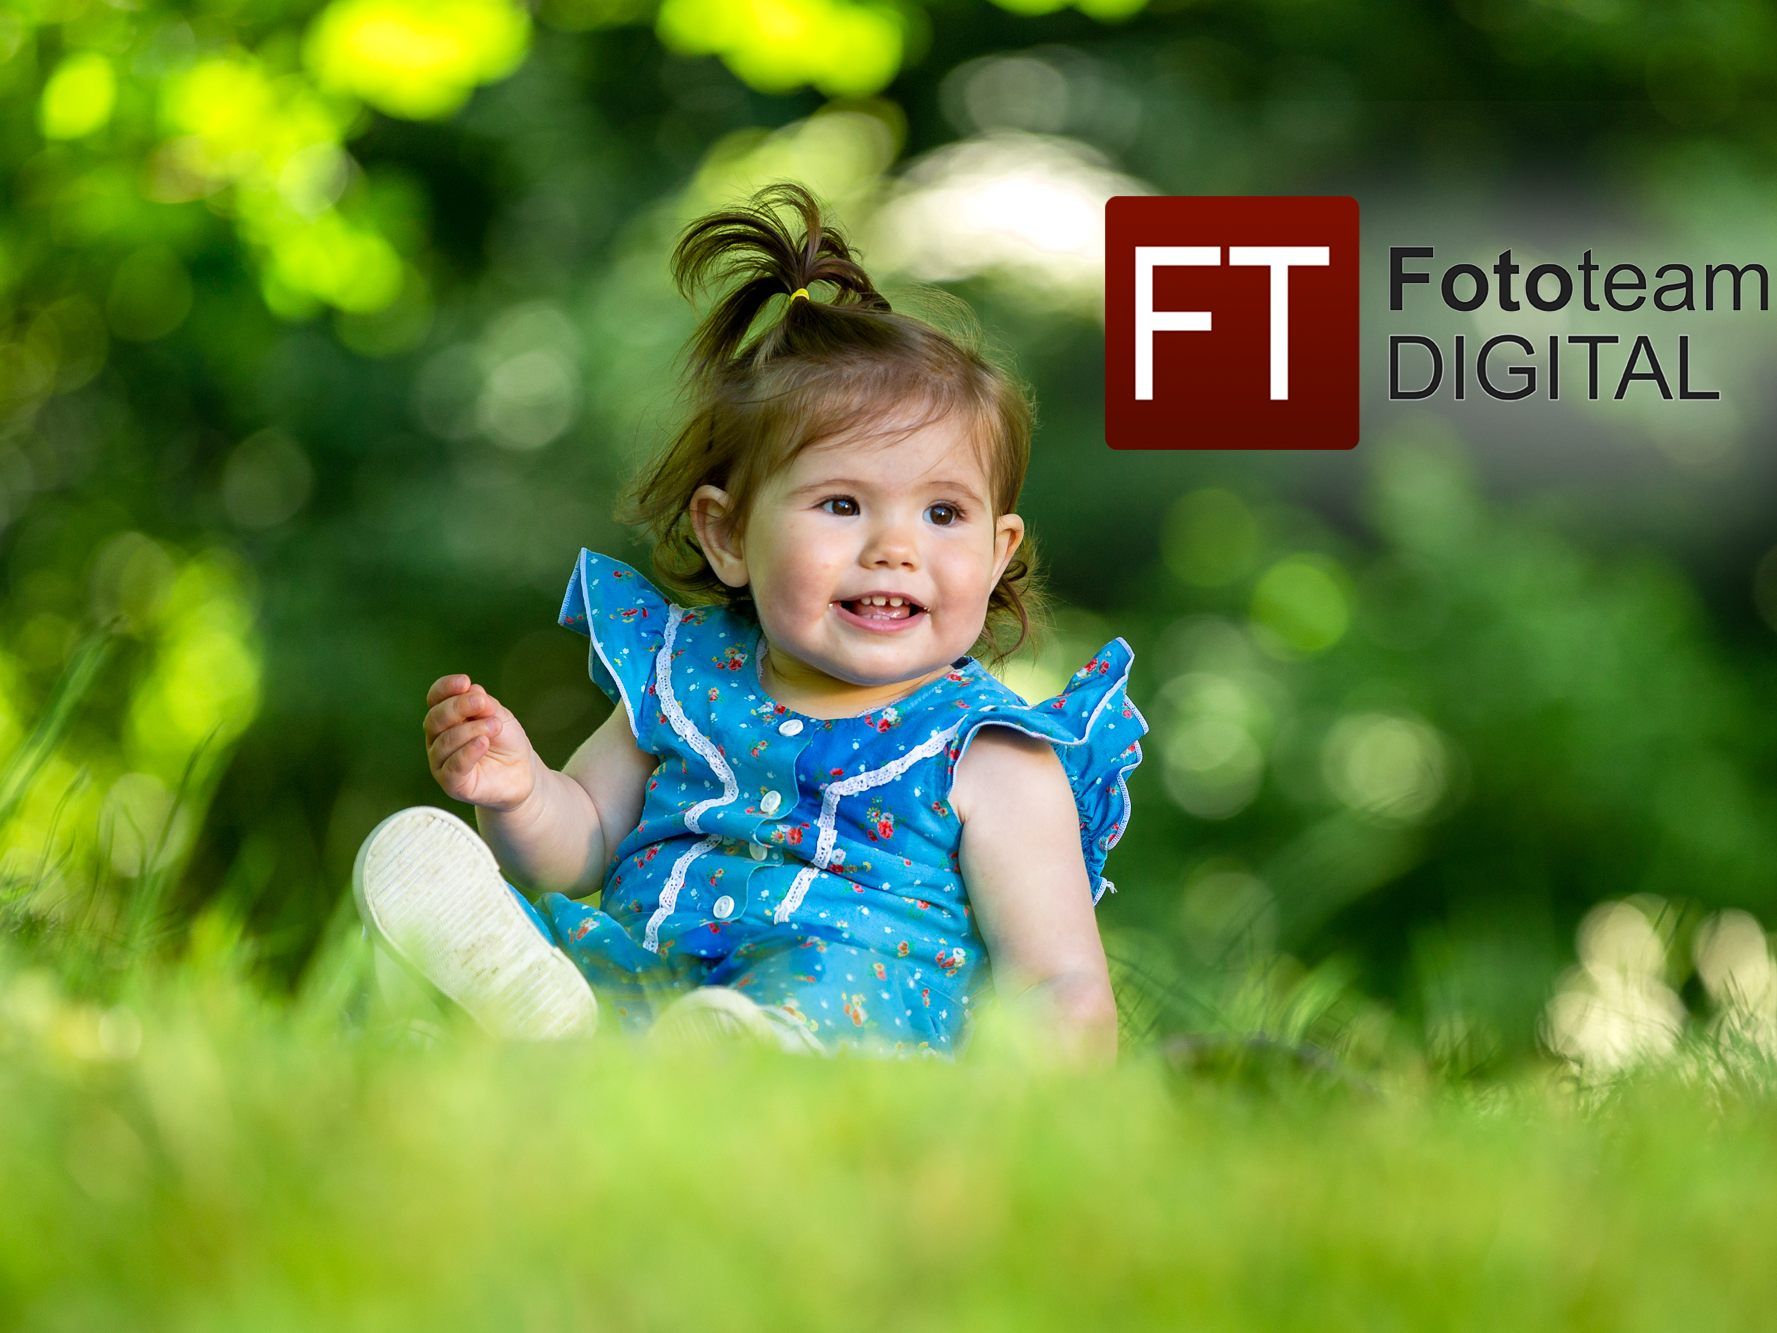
(943, 484)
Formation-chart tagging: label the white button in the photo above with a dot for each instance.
(771, 802)
(759, 851)
(790, 728)
(724, 908)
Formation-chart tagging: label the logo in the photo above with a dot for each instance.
(1231, 323)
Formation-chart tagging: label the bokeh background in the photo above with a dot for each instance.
(329, 331)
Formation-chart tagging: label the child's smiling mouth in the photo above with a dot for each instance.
(880, 614)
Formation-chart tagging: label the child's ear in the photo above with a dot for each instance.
(712, 518)
(1008, 535)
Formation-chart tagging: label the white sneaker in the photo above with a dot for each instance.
(716, 1015)
(431, 891)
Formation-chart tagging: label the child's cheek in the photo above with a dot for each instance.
(810, 572)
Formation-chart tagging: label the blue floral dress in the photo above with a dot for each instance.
(811, 863)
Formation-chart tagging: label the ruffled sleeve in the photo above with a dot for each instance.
(624, 616)
(1096, 730)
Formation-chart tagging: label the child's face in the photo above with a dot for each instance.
(910, 517)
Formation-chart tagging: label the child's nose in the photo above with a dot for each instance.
(892, 543)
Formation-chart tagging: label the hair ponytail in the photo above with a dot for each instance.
(752, 247)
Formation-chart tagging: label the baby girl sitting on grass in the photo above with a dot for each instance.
(813, 815)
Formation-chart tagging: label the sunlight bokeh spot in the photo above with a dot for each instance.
(270, 147)
(527, 366)
(1734, 959)
(1614, 1011)
(843, 48)
(313, 178)
(839, 153)
(1025, 209)
(1212, 768)
(529, 399)
(1009, 92)
(239, 121)
(1302, 605)
(344, 264)
(1110, 11)
(1391, 768)
(419, 59)
(1617, 939)
(1212, 761)
(78, 98)
(1103, 10)
(1605, 1028)
(205, 675)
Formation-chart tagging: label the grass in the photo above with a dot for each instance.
(184, 1145)
(198, 1153)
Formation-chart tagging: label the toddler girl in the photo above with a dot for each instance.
(813, 815)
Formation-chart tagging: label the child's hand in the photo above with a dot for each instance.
(475, 746)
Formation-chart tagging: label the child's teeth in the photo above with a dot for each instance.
(878, 603)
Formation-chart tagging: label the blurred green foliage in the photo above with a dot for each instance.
(329, 330)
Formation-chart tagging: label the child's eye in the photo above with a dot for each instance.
(944, 515)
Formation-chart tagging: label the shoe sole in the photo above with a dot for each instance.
(715, 1015)
(430, 889)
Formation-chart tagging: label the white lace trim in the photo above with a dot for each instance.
(670, 894)
(675, 716)
(828, 820)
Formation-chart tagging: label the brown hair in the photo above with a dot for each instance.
(810, 375)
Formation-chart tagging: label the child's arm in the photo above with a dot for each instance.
(1028, 888)
(548, 830)
(564, 836)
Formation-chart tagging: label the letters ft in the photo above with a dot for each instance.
(1149, 321)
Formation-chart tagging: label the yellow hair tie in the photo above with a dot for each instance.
(800, 291)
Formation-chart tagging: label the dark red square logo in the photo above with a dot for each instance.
(1231, 323)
